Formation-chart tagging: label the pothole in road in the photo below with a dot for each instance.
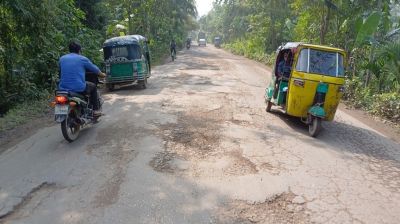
(166, 162)
(115, 144)
(240, 165)
(282, 208)
(195, 135)
(193, 80)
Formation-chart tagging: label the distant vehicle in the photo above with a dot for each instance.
(217, 42)
(202, 42)
(188, 42)
(201, 35)
(126, 61)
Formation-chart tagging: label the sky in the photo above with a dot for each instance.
(203, 6)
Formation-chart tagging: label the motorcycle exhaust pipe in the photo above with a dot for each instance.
(83, 121)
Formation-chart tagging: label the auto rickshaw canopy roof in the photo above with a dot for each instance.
(294, 46)
(124, 40)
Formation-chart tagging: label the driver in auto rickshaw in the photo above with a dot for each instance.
(284, 66)
(283, 71)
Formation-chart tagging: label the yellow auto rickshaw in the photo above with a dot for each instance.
(307, 82)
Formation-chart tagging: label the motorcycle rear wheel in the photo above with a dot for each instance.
(70, 131)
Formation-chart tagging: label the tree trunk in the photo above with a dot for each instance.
(325, 25)
(273, 33)
(371, 58)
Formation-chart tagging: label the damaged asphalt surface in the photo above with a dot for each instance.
(198, 147)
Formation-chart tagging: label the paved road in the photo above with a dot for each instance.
(198, 147)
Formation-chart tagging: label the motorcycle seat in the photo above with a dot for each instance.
(71, 94)
(79, 95)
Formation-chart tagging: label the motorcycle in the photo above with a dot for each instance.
(73, 110)
(187, 45)
(173, 55)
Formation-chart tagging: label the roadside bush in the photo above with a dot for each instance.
(23, 112)
(236, 47)
(357, 95)
(251, 49)
(387, 105)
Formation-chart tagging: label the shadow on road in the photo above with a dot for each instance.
(344, 137)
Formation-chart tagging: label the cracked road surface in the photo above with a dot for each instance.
(198, 147)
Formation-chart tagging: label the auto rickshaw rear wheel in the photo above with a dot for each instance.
(269, 105)
(110, 87)
(314, 127)
(143, 83)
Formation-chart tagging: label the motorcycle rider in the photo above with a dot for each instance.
(72, 71)
(188, 42)
(147, 53)
(172, 46)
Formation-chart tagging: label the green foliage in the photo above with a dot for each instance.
(251, 50)
(387, 105)
(357, 95)
(35, 34)
(24, 112)
(33, 38)
(158, 21)
(368, 28)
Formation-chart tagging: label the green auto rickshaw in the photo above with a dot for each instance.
(127, 61)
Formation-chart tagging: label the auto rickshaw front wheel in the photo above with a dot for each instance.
(314, 127)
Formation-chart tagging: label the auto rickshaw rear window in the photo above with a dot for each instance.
(320, 62)
(130, 52)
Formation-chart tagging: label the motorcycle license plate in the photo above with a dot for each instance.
(61, 109)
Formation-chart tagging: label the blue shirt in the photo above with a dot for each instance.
(283, 69)
(73, 67)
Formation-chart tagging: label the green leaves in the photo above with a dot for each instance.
(367, 29)
(33, 37)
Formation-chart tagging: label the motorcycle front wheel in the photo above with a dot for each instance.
(70, 129)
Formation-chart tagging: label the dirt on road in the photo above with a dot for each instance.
(198, 147)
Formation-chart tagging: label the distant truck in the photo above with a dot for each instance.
(201, 35)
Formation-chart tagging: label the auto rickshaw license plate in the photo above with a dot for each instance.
(61, 109)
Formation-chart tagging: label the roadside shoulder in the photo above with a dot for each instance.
(388, 129)
(23, 122)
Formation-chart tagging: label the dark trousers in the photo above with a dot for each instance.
(91, 90)
(148, 60)
(173, 50)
